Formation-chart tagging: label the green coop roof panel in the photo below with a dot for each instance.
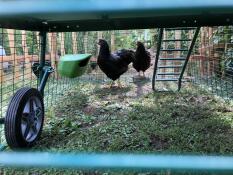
(84, 15)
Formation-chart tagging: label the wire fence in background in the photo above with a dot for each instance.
(211, 64)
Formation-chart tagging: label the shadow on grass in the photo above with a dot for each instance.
(158, 123)
(101, 92)
(182, 123)
(184, 128)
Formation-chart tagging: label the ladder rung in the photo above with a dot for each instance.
(170, 66)
(172, 50)
(168, 73)
(181, 28)
(166, 79)
(175, 59)
(169, 40)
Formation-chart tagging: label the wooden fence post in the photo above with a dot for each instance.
(177, 46)
(74, 42)
(99, 36)
(112, 41)
(62, 43)
(27, 61)
(85, 42)
(11, 38)
(53, 51)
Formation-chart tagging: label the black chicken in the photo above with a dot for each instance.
(142, 59)
(113, 65)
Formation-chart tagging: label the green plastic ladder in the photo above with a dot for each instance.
(174, 70)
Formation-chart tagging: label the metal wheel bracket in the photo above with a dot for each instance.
(47, 71)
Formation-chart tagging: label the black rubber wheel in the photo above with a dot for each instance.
(24, 118)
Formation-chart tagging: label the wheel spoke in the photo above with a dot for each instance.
(25, 117)
(38, 112)
(26, 131)
(27, 108)
(34, 129)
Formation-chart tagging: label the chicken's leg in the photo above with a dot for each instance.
(119, 83)
(112, 83)
(139, 74)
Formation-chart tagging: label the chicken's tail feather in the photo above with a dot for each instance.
(130, 56)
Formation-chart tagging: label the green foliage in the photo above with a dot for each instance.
(18, 42)
(127, 41)
(68, 43)
(80, 42)
(154, 34)
(107, 36)
(223, 34)
(32, 43)
(92, 39)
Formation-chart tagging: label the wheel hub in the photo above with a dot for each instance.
(32, 119)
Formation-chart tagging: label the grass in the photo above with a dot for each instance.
(95, 118)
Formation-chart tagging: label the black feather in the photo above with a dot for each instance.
(113, 65)
(142, 58)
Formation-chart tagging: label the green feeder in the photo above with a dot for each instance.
(73, 65)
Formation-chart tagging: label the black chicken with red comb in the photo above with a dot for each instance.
(116, 64)
(142, 59)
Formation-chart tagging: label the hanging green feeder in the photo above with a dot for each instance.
(73, 65)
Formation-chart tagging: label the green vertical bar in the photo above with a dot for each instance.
(42, 54)
(188, 56)
(157, 57)
(1, 75)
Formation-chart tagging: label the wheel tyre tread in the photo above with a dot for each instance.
(13, 138)
(11, 115)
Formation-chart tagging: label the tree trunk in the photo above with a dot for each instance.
(27, 62)
(62, 39)
(85, 42)
(112, 41)
(74, 42)
(99, 36)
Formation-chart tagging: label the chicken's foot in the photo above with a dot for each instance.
(119, 83)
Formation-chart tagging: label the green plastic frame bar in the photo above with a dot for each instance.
(140, 162)
(89, 15)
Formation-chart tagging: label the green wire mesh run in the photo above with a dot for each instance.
(20, 49)
(211, 64)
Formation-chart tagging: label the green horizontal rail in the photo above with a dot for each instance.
(89, 15)
(108, 161)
